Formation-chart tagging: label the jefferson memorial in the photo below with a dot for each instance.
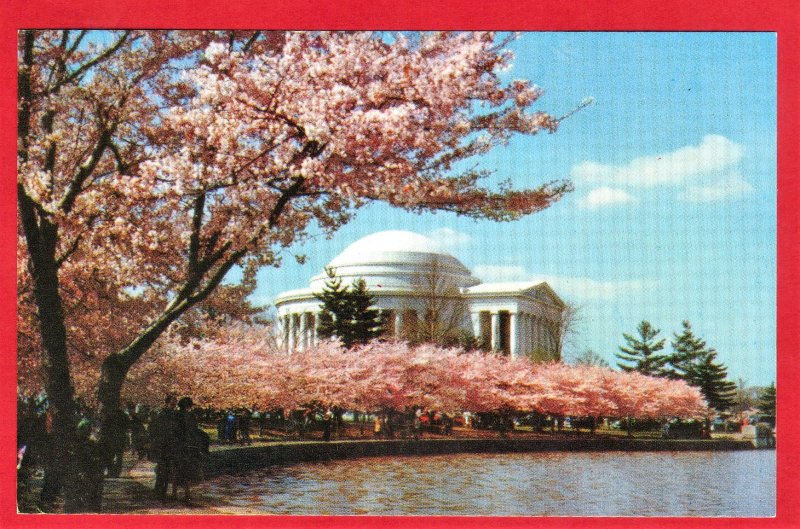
(403, 270)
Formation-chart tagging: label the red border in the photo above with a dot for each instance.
(782, 16)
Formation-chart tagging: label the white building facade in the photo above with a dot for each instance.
(404, 271)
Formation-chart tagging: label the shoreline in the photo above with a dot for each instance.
(235, 459)
(132, 492)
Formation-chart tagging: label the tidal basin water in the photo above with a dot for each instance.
(740, 483)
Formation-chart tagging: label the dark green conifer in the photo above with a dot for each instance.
(640, 353)
(766, 401)
(348, 313)
(334, 306)
(694, 362)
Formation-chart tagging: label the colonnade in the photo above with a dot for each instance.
(300, 330)
(525, 333)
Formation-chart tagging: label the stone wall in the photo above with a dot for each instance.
(231, 460)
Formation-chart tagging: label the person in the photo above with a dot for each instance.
(162, 445)
(230, 427)
(244, 427)
(326, 425)
(191, 445)
(447, 423)
(137, 432)
(262, 424)
(87, 462)
(222, 419)
(378, 426)
(115, 442)
(417, 425)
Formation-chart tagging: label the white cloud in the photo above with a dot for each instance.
(732, 186)
(449, 239)
(715, 153)
(577, 288)
(605, 196)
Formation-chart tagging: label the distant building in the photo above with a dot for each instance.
(404, 270)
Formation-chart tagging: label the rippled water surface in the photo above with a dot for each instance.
(740, 483)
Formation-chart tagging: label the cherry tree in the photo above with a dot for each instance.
(155, 162)
(152, 163)
(242, 367)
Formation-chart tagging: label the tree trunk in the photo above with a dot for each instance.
(629, 426)
(112, 375)
(41, 237)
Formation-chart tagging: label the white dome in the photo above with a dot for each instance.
(377, 245)
(396, 260)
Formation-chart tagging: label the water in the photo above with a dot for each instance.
(740, 483)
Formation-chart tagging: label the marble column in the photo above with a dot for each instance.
(476, 325)
(284, 328)
(513, 339)
(495, 330)
(291, 341)
(303, 342)
(527, 346)
(398, 322)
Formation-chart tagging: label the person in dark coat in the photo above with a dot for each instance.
(163, 431)
(138, 440)
(230, 426)
(221, 422)
(244, 427)
(115, 443)
(190, 448)
(327, 419)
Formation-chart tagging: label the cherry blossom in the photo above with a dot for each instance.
(243, 368)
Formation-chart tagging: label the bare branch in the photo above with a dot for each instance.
(90, 64)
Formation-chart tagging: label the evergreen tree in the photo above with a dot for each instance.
(711, 378)
(334, 306)
(367, 322)
(347, 313)
(766, 401)
(640, 353)
(688, 350)
(693, 362)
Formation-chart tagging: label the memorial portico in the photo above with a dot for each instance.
(519, 319)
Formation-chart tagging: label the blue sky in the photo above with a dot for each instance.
(673, 215)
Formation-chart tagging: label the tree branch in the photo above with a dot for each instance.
(194, 240)
(85, 170)
(90, 64)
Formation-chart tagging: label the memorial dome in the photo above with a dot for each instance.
(396, 260)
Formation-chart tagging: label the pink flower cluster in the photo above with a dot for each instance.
(243, 370)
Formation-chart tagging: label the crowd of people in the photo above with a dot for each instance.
(169, 436)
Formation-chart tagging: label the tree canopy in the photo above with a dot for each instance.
(150, 163)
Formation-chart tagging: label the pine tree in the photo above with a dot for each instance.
(711, 378)
(367, 322)
(693, 362)
(688, 350)
(334, 306)
(347, 313)
(766, 401)
(640, 352)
